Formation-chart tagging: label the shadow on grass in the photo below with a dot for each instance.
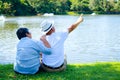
(95, 71)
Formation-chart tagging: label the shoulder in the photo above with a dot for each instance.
(65, 31)
(63, 34)
(36, 41)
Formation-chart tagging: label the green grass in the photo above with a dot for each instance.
(94, 71)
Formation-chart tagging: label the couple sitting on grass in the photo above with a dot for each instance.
(51, 45)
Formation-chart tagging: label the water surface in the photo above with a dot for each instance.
(97, 39)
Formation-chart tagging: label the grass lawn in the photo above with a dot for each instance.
(93, 71)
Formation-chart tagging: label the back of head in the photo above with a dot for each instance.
(21, 32)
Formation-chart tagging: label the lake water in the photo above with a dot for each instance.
(97, 39)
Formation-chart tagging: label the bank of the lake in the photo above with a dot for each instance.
(92, 71)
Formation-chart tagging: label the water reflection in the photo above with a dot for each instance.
(1, 23)
(2, 20)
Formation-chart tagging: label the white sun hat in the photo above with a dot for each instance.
(46, 25)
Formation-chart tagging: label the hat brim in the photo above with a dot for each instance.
(48, 29)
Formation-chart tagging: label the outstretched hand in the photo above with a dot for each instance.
(80, 19)
(74, 25)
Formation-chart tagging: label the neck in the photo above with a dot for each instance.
(49, 33)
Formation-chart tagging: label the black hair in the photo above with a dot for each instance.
(21, 32)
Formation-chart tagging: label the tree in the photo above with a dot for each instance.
(117, 7)
(62, 6)
(94, 5)
(22, 7)
(80, 5)
(1, 5)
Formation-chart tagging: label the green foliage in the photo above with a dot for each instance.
(117, 7)
(94, 71)
(34, 7)
(16, 7)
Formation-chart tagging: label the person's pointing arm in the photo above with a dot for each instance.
(74, 25)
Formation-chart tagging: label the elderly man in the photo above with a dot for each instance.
(28, 52)
(56, 61)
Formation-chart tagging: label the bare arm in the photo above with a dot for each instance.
(45, 42)
(74, 25)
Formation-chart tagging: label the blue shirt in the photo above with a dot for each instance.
(28, 55)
